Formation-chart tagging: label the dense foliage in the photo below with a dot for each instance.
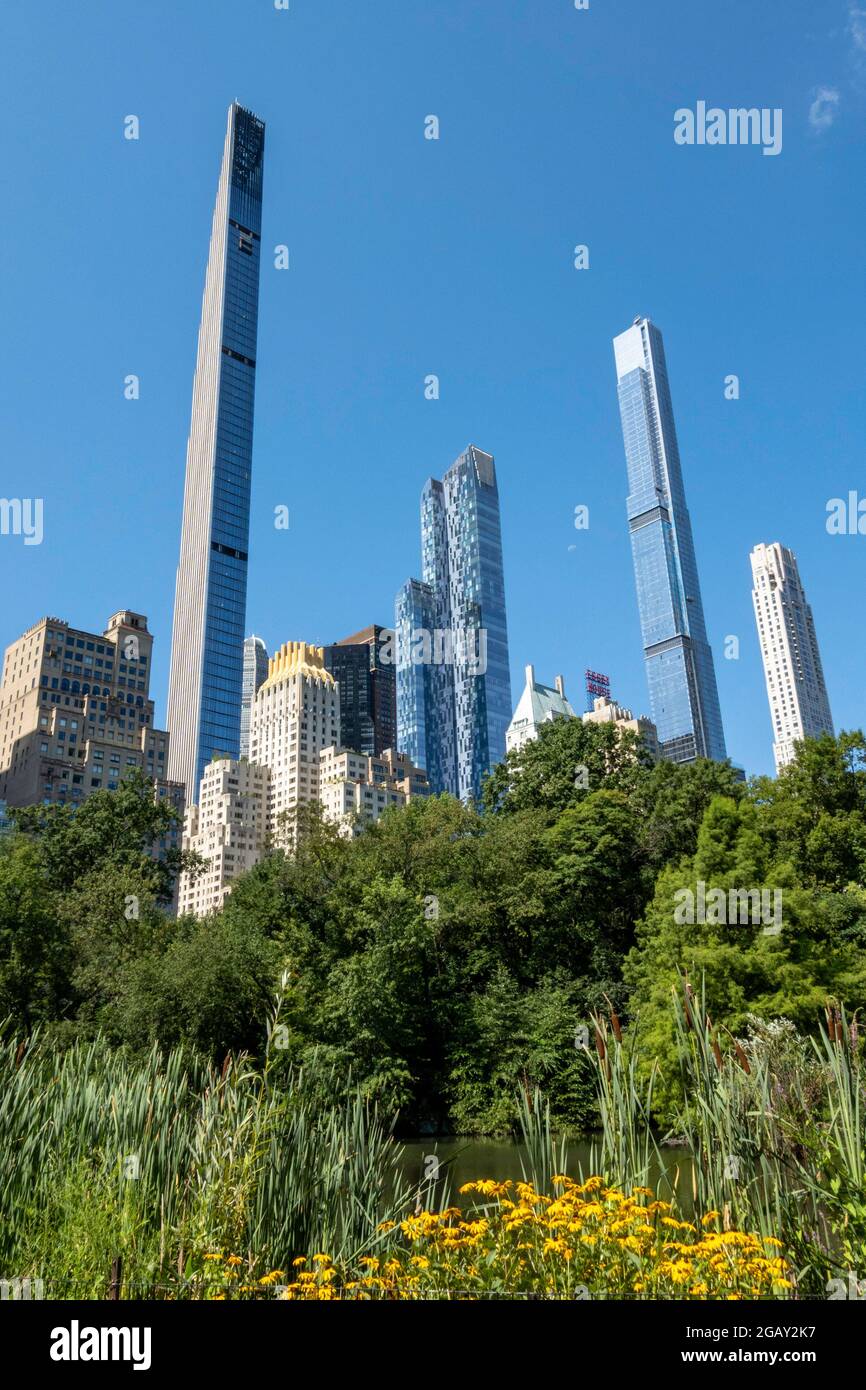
(449, 956)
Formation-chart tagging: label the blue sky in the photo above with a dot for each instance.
(453, 257)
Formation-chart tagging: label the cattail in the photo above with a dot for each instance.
(614, 1021)
(717, 1051)
(742, 1058)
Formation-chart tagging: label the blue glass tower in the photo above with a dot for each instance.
(207, 649)
(453, 679)
(679, 663)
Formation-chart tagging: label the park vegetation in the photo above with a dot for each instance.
(483, 969)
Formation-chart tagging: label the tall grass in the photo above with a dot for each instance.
(775, 1132)
(167, 1159)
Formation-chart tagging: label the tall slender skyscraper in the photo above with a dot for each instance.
(255, 674)
(799, 707)
(679, 663)
(453, 679)
(205, 684)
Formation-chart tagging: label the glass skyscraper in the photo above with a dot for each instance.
(453, 679)
(207, 650)
(368, 689)
(255, 674)
(679, 663)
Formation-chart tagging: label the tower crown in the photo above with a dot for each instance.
(297, 659)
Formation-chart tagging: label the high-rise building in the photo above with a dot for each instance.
(453, 680)
(232, 826)
(227, 829)
(799, 707)
(355, 789)
(296, 714)
(75, 714)
(363, 667)
(679, 663)
(538, 705)
(255, 673)
(205, 684)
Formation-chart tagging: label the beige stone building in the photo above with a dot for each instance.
(75, 713)
(355, 789)
(606, 711)
(295, 715)
(244, 808)
(227, 828)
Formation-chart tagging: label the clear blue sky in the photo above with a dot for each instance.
(454, 257)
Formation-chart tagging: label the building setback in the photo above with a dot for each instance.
(76, 714)
(453, 680)
(679, 663)
(205, 682)
(796, 691)
(355, 789)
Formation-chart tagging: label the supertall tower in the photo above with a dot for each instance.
(679, 663)
(207, 648)
(453, 680)
(799, 707)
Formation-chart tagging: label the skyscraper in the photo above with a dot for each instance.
(453, 679)
(255, 674)
(368, 689)
(799, 707)
(679, 663)
(204, 698)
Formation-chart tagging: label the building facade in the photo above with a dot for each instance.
(679, 663)
(206, 676)
(76, 714)
(296, 714)
(247, 807)
(607, 711)
(363, 667)
(452, 715)
(538, 705)
(355, 789)
(796, 691)
(227, 828)
(255, 674)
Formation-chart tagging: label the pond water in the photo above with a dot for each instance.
(466, 1160)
